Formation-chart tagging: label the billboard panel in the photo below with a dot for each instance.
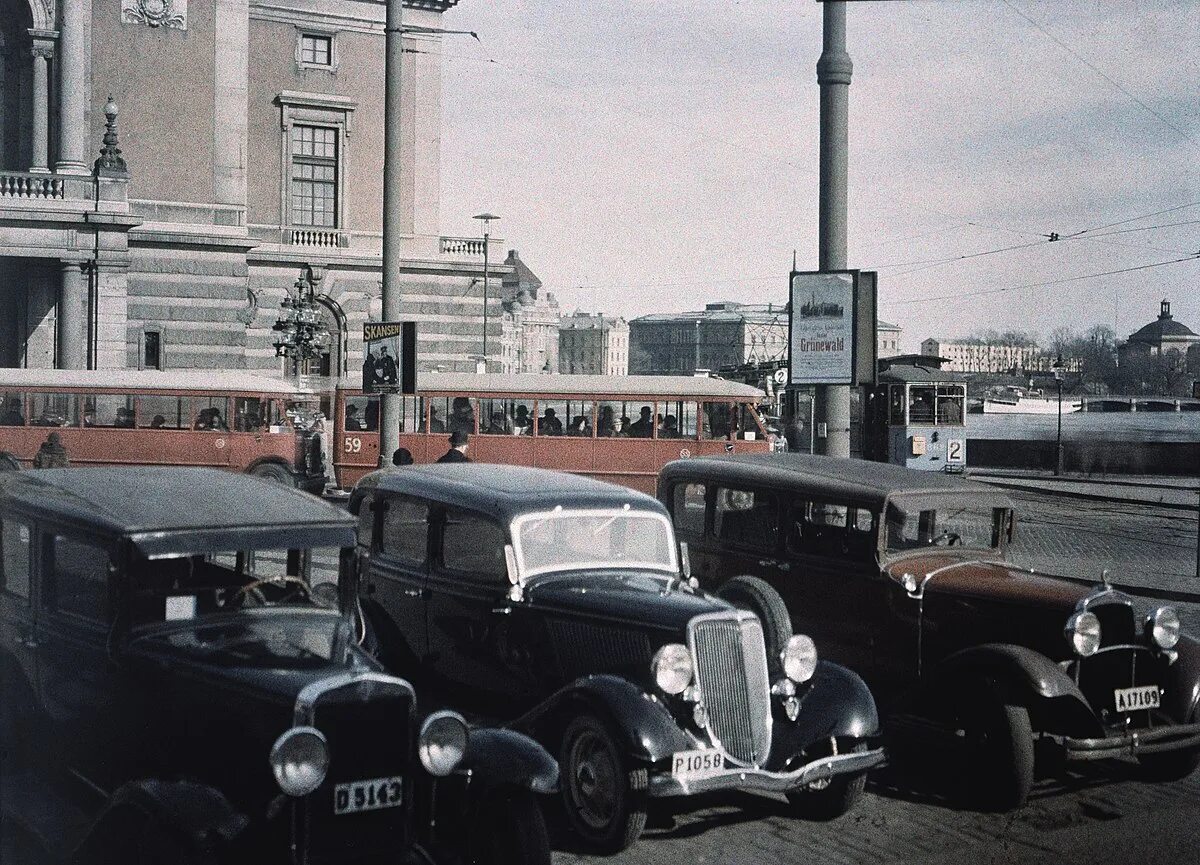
(389, 357)
(821, 338)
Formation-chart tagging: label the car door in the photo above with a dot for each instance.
(18, 619)
(473, 636)
(394, 590)
(745, 528)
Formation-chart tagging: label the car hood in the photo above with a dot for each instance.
(631, 597)
(983, 579)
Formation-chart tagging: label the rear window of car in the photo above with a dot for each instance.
(405, 531)
(748, 518)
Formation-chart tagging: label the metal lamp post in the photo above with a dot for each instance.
(300, 332)
(1058, 367)
(486, 218)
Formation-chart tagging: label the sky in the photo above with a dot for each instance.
(658, 155)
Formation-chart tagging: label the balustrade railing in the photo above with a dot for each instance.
(26, 186)
(319, 237)
(462, 246)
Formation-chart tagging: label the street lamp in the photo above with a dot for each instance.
(300, 332)
(1058, 367)
(486, 218)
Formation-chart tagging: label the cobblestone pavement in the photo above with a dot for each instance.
(1105, 816)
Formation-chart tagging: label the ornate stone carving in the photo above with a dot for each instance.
(43, 12)
(155, 13)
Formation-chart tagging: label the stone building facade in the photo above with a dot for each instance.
(1171, 341)
(976, 355)
(252, 132)
(531, 316)
(724, 334)
(593, 344)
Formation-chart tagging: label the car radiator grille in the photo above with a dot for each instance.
(731, 670)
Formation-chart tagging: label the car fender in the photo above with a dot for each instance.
(649, 731)
(1018, 667)
(194, 816)
(837, 703)
(1182, 698)
(499, 758)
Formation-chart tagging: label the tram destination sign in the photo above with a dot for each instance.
(831, 327)
(389, 357)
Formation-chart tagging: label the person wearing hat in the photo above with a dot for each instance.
(458, 449)
(52, 454)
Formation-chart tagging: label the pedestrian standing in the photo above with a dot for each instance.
(51, 454)
(458, 449)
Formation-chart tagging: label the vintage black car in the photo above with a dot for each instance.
(559, 606)
(902, 575)
(182, 683)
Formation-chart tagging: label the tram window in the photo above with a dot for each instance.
(748, 518)
(362, 414)
(210, 413)
(53, 409)
(412, 414)
(161, 412)
(920, 404)
(896, 405)
(718, 421)
(248, 413)
(580, 414)
(451, 414)
(679, 420)
(496, 417)
(643, 422)
(552, 417)
(748, 423)
(689, 509)
(12, 412)
(612, 419)
(108, 410)
(949, 405)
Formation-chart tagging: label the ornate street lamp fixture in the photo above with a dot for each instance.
(300, 331)
(1058, 366)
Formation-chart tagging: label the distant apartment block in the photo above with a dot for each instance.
(529, 340)
(975, 355)
(593, 344)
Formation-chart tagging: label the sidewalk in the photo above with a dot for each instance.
(1180, 493)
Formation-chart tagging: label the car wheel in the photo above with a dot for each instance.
(1167, 767)
(274, 472)
(831, 800)
(997, 772)
(8, 462)
(757, 596)
(514, 831)
(604, 796)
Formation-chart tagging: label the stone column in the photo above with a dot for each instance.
(72, 318)
(43, 50)
(231, 101)
(74, 59)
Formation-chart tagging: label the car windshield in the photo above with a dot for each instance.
(950, 522)
(174, 588)
(258, 639)
(564, 540)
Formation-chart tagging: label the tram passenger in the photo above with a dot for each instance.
(580, 428)
(353, 424)
(643, 427)
(522, 422)
(499, 424)
(606, 422)
(12, 414)
(550, 425)
(462, 416)
(670, 428)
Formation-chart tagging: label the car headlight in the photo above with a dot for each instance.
(300, 759)
(799, 658)
(672, 668)
(442, 743)
(1083, 633)
(1163, 627)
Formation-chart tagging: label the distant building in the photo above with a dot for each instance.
(724, 334)
(593, 345)
(530, 334)
(888, 338)
(1164, 338)
(976, 355)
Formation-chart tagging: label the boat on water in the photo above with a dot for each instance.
(1018, 400)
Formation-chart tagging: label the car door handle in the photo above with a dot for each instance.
(772, 563)
(502, 611)
(412, 593)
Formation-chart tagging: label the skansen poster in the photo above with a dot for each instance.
(822, 328)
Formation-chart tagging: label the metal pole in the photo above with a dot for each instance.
(393, 212)
(1058, 453)
(485, 296)
(833, 76)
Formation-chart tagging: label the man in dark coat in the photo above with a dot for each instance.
(388, 372)
(52, 454)
(458, 449)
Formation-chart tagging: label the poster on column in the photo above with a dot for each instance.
(389, 357)
(831, 328)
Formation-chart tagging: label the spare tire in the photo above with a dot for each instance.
(8, 462)
(759, 597)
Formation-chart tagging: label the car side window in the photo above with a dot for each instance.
(473, 546)
(366, 521)
(405, 532)
(688, 510)
(14, 548)
(747, 518)
(80, 584)
(829, 529)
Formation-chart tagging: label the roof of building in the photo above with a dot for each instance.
(506, 491)
(1163, 326)
(147, 379)
(880, 324)
(591, 321)
(521, 277)
(171, 509)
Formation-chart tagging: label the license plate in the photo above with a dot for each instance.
(368, 795)
(690, 765)
(1133, 699)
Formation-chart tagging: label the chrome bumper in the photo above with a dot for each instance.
(746, 778)
(1178, 737)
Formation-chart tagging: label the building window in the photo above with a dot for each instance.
(152, 354)
(316, 50)
(314, 175)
